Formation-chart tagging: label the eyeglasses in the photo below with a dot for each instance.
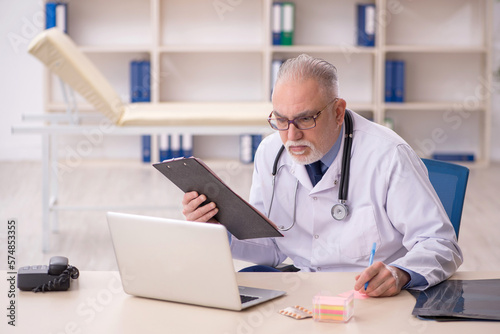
(301, 123)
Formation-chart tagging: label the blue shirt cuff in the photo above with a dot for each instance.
(415, 278)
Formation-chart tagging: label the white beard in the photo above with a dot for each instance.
(300, 157)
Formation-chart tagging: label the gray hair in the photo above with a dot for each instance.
(305, 67)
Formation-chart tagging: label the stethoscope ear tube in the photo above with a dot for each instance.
(275, 164)
(346, 159)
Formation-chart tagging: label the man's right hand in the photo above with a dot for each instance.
(192, 210)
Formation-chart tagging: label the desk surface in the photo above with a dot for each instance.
(96, 303)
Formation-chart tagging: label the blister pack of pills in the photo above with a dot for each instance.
(296, 312)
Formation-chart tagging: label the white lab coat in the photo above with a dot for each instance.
(390, 199)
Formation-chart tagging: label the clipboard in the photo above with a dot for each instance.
(240, 218)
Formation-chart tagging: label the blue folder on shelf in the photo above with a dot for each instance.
(145, 80)
(366, 24)
(399, 81)
(389, 75)
(276, 22)
(135, 73)
(394, 87)
(140, 81)
(187, 144)
(164, 147)
(56, 15)
(140, 91)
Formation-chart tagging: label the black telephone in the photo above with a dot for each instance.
(54, 277)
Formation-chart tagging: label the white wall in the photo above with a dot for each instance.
(22, 90)
(20, 77)
(495, 101)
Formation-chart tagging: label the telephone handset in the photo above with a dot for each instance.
(54, 277)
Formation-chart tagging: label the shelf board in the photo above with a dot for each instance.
(435, 48)
(351, 49)
(85, 107)
(426, 106)
(210, 48)
(115, 48)
(360, 106)
(283, 48)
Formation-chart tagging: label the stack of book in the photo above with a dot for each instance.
(283, 23)
(394, 81)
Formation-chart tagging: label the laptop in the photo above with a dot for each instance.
(179, 261)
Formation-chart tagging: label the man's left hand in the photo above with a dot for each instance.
(384, 281)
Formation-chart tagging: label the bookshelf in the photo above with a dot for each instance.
(448, 77)
(221, 51)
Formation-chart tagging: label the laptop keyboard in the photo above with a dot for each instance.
(246, 299)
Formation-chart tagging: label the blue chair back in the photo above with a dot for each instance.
(450, 182)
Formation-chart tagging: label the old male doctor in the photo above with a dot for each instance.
(390, 199)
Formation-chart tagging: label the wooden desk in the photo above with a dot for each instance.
(96, 303)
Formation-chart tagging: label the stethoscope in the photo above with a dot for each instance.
(340, 210)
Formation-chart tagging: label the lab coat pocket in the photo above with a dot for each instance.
(359, 232)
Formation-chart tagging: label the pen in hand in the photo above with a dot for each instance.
(372, 255)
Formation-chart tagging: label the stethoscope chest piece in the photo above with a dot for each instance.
(340, 211)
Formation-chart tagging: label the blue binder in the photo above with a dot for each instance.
(145, 80)
(366, 24)
(246, 148)
(50, 15)
(399, 81)
(164, 147)
(146, 148)
(175, 145)
(389, 83)
(256, 139)
(394, 86)
(276, 22)
(135, 73)
(56, 15)
(140, 91)
(187, 145)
